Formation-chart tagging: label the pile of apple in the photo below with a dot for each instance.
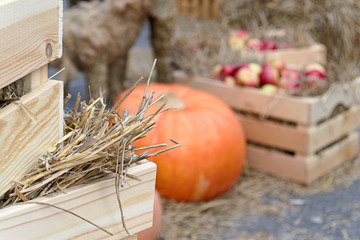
(240, 39)
(272, 76)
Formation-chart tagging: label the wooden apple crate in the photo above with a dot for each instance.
(293, 137)
(299, 57)
(31, 37)
(206, 9)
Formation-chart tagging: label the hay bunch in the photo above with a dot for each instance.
(12, 92)
(97, 141)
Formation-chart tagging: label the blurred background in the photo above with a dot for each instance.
(260, 206)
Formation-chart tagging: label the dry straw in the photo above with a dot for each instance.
(97, 141)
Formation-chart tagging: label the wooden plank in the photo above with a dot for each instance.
(205, 9)
(342, 94)
(215, 9)
(31, 36)
(275, 135)
(38, 77)
(335, 128)
(96, 202)
(28, 128)
(300, 139)
(276, 163)
(130, 238)
(301, 168)
(299, 56)
(332, 157)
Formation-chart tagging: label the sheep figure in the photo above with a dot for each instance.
(99, 34)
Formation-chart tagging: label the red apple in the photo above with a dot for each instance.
(254, 44)
(238, 38)
(255, 67)
(291, 74)
(290, 79)
(227, 70)
(315, 73)
(315, 66)
(268, 44)
(278, 64)
(269, 75)
(241, 34)
(269, 88)
(246, 76)
(315, 77)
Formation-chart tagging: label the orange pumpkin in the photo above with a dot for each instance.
(212, 151)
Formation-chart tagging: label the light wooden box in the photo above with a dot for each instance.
(292, 137)
(299, 57)
(31, 37)
(96, 202)
(205, 9)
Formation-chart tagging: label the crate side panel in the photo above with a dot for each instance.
(299, 57)
(30, 37)
(332, 157)
(33, 221)
(27, 129)
(277, 135)
(343, 94)
(333, 129)
(277, 163)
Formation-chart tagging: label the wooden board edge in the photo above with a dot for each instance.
(332, 157)
(276, 163)
(61, 27)
(35, 117)
(346, 94)
(25, 47)
(276, 135)
(333, 129)
(138, 214)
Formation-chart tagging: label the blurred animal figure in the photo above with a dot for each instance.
(99, 34)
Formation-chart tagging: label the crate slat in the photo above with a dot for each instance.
(96, 202)
(38, 77)
(24, 136)
(301, 56)
(31, 36)
(300, 139)
(205, 9)
(301, 168)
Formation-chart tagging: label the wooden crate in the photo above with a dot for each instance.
(299, 57)
(96, 202)
(206, 9)
(31, 37)
(294, 137)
